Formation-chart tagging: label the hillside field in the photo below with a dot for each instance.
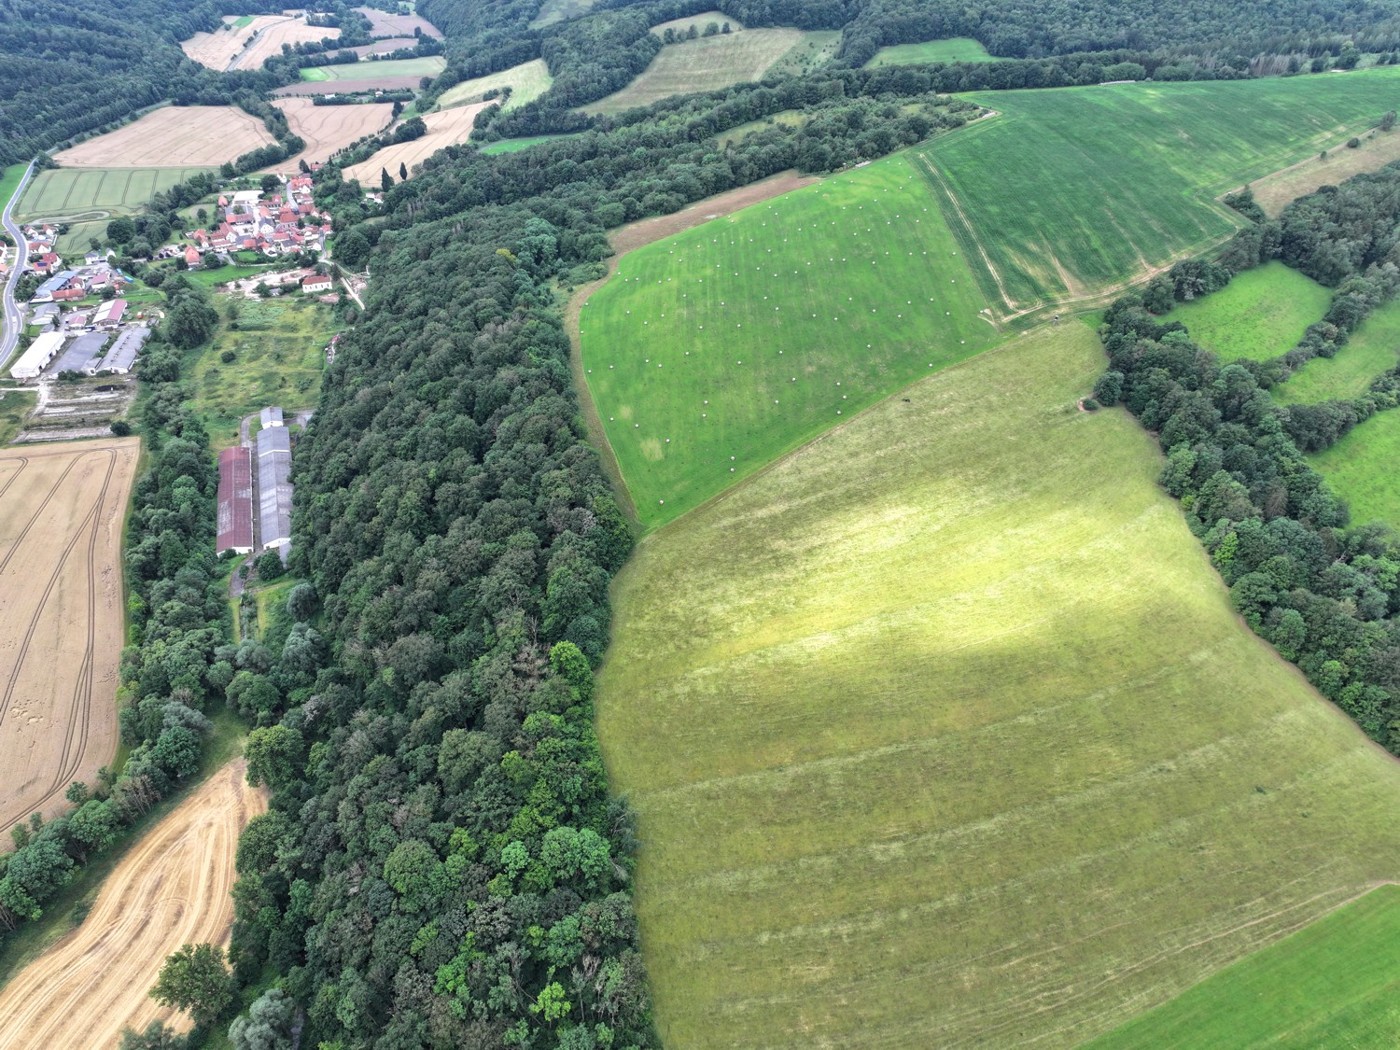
(527, 82)
(954, 49)
(712, 352)
(327, 129)
(1274, 192)
(62, 192)
(920, 758)
(1361, 469)
(446, 128)
(389, 68)
(172, 137)
(1260, 314)
(1332, 984)
(1372, 349)
(1069, 193)
(552, 11)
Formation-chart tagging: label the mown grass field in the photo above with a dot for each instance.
(527, 82)
(429, 66)
(922, 756)
(705, 64)
(1333, 984)
(77, 191)
(712, 352)
(552, 11)
(1374, 348)
(954, 49)
(1361, 469)
(516, 145)
(1071, 192)
(1260, 314)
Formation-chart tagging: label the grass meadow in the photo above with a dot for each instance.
(1372, 349)
(1259, 315)
(1333, 984)
(15, 406)
(1361, 469)
(516, 145)
(527, 82)
(429, 66)
(954, 49)
(921, 755)
(712, 352)
(61, 192)
(552, 11)
(1068, 193)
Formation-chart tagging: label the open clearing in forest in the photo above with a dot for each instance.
(172, 888)
(706, 64)
(713, 352)
(527, 82)
(1069, 193)
(1361, 469)
(448, 128)
(248, 42)
(1332, 984)
(1274, 192)
(328, 129)
(383, 23)
(1372, 349)
(62, 617)
(920, 757)
(386, 69)
(552, 11)
(173, 137)
(1260, 314)
(954, 49)
(95, 193)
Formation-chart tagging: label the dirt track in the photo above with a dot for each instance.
(171, 889)
(61, 515)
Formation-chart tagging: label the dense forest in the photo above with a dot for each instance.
(1326, 595)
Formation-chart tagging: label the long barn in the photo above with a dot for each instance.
(235, 501)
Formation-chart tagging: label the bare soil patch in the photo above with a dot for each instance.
(172, 137)
(384, 24)
(173, 888)
(62, 507)
(446, 128)
(328, 129)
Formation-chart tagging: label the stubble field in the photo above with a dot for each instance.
(326, 129)
(447, 128)
(172, 888)
(386, 24)
(172, 137)
(62, 510)
(247, 43)
(922, 755)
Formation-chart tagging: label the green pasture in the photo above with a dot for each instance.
(1071, 192)
(712, 352)
(921, 755)
(280, 354)
(527, 82)
(1260, 314)
(552, 11)
(1333, 984)
(704, 64)
(816, 48)
(954, 49)
(95, 193)
(9, 182)
(791, 118)
(1372, 349)
(516, 145)
(1361, 469)
(427, 66)
(15, 406)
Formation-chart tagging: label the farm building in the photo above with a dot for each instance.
(319, 283)
(270, 417)
(109, 314)
(46, 291)
(122, 356)
(235, 511)
(274, 487)
(81, 352)
(39, 354)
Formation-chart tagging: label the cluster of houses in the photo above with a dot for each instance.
(92, 278)
(268, 461)
(278, 223)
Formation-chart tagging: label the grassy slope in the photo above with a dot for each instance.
(955, 49)
(921, 758)
(1361, 469)
(1260, 314)
(1074, 190)
(1333, 984)
(832, 297)
(429, 66)
(1373, 349)
(95, 192)
(527, 82)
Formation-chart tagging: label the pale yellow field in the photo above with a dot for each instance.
(249, 46)
(327, 129)
(172, 137)
(173, 888)
(1274, 192)
(62, 508)
(527, 82)
(447, 128)
(269, 42)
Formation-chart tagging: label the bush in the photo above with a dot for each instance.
(228, 357)
(120, 428)
(269, 566)
(1353, 143)
(1089, 405)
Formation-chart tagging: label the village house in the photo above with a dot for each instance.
(318, 283)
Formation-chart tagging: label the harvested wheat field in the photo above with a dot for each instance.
(61, 616)
(447, 128)
(327, 129)
(248, 43)
(173, 137)
(173, 888)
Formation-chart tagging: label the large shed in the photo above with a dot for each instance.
(235, 504)
(81, 352)
(122, 356)
(274, 487)
(39, 354)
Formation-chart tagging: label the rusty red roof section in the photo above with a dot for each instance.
(235, 501)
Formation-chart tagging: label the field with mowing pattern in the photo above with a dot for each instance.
(1372, 349)
(173, 887)
(1069, 193)
(1332, 984)
(428, 66)
(706, 64)
(527, 82)
(62, 617)
(712, 352)
(248, 42)
(1260, 314)
(172, 137)
(96, 192)
(916, 763)
(954, 49)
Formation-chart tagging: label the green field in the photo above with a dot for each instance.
(516, 145)
(15, 406)
(791, 118)
(714, 351)
(706, 64)
(920, 758)
(700, 21)
(552, 11)
(1333, 984)
(1374, 348)
(1260, 314)
(955, 49)
(9, 182)
(280, 346)
(527, 82)
(1071, 192)
(95, 193)
(429, 66)
(1361, 469)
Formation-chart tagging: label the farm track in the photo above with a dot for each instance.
(172, 888)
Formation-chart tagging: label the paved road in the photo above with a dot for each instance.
(13, 318)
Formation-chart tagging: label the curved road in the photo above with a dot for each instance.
(12, 312)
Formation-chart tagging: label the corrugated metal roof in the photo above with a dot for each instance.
(274, 486)
(235, 502)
